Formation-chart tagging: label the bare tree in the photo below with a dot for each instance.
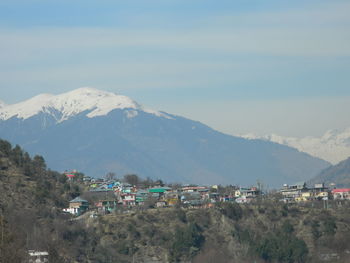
(110, 176)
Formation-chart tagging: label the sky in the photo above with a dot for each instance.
(271, 66)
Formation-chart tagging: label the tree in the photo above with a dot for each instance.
(186, 240)
(282, 246)
(329, 226)
(5, 147)
(159, 182)
(110, 176)
(39, 163)
(17, 155)
(148, 182)
(132, 179)
(231, 210)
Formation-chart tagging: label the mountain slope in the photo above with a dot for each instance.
(32, 198)
(99, 139)
(333, 146)
(338, 174)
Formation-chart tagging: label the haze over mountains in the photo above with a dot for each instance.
(97, 132)
(338, 174)
(333, 146)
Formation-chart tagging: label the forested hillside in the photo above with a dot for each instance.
(32, 198)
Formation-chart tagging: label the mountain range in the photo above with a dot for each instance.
(97, 132)
(338, 175)
(333, 146)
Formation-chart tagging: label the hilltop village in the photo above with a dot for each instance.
(47, 216)
(103, 196)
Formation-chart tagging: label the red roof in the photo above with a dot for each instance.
(341, 190)
(70, 175)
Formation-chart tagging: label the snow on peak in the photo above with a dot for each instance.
(25, 109)
(333, 146)
(96, 102)
(2, 104)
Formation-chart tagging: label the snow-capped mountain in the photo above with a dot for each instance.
(333, 146)
(2, 104)
(97, 132)
(64, 106)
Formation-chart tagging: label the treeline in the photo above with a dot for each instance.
(135, 180)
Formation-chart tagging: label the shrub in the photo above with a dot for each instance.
(186, 241)
(281, 249)
(231, 210)
(329, 226)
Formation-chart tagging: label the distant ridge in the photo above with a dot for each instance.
(333, 146)
(337, 174)
(97, 132)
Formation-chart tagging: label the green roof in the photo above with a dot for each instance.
(158, 190)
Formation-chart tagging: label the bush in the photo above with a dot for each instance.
(278, 249)
(181, 215)
(186, 241)
(231, 210)
(329, 226)
(282, 246)
(315, 225)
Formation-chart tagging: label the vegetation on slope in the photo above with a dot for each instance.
(266, 232)
(32, 198)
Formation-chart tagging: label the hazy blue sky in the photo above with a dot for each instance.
(238, 66)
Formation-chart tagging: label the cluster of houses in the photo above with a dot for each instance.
(106, 196)
(299, 192)
(109, 196)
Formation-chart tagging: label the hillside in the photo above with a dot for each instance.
(228, 233)
(31, 199)
(98, 132)
(338, 174)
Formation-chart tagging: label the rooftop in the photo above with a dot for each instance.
(78, 200)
